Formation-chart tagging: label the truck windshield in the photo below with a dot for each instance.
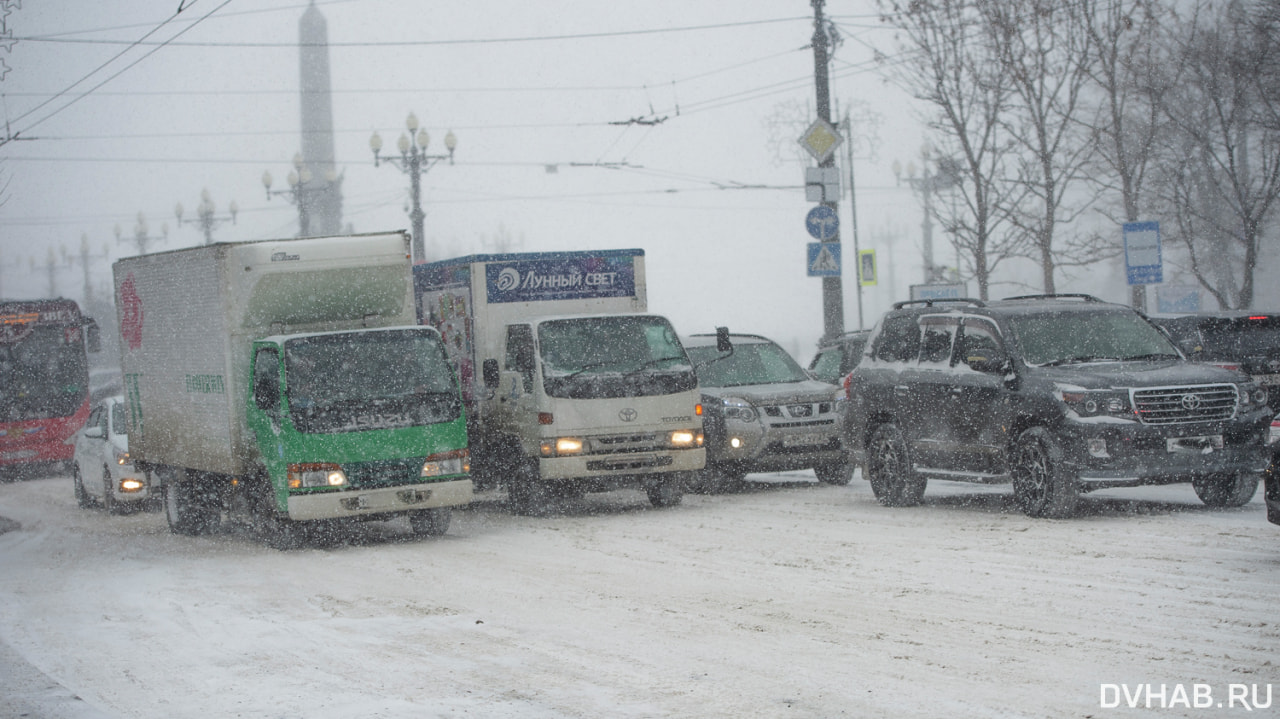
(44, 374)
(382, 379)
(1075, 337)
(617, 356)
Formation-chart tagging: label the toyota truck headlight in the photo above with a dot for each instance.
(318, 474)
(442, 464)
(684, 439)
(1104, 403)
(1251, 395)
(563, 446)
(739, 409)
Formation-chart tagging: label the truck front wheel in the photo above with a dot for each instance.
(431, 522)
(526, 491)
(1042, 486)
(187, 509)
(1229, 490)
(666, 492)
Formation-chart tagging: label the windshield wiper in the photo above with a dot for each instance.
(1080, 359)
(651, 363)
(1153, 356)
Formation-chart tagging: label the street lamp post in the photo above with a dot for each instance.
(85, 258)
(205, 217)
(141, 235)
(415, 162)
(298, 193)
(928, 185)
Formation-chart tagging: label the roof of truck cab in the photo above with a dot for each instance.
(528, 256)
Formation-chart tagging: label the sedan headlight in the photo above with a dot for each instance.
(739, 409)
(1104, 403)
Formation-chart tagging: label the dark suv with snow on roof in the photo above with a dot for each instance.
(1057, 394)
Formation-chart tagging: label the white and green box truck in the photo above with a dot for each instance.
(570, 384)
(288, 380)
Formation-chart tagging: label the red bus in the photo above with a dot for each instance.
(44, 379)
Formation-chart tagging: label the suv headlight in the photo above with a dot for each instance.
(1251, 395)
(1103, 403)
(739, 409)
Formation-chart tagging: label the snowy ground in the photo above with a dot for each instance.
(789, 599)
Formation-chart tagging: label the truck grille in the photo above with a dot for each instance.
(1181, 405)
(622, 443)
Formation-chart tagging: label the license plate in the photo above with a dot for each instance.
(1202, 444)
(802, 441)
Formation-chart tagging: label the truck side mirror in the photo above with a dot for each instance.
(92, 337)
(266, 381)
(723, 343)
(489, 370)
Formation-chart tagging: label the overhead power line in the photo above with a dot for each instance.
(417, 43)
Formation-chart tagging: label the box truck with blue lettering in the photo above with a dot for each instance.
(285, 381)
(570, 385)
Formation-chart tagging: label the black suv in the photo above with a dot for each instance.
(1059, 394)
(1238, 339)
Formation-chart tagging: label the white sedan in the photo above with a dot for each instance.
(102, 472)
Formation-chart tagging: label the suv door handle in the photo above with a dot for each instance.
(901, 389)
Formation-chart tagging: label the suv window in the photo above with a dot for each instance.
(899, 340)
(937, 334)
(826, 366)
(980, 343)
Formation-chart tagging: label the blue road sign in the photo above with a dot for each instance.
(824, 259)
(1142, 262)
(822, 223)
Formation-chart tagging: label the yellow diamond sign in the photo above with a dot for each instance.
(821, 140)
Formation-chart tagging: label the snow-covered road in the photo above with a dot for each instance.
(789, 599)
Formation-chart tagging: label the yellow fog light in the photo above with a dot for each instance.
(131, 485)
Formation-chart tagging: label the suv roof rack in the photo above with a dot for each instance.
(930, 302)
(1064, 296)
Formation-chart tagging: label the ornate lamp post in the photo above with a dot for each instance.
(298, 193)
(205, 217)
(415, 162)
(141, 237)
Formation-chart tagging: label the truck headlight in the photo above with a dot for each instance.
(456, 461)
(1107, 403)
(562, 446)
(316, 474)
(1251, 395)
(685, 438)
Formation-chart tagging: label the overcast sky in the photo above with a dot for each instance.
(539, 96)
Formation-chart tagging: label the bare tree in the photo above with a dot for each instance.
(1045, 53)
(1125, 70)
(1221, 169)
(944, 62)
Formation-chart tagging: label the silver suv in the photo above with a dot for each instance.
(764, 412)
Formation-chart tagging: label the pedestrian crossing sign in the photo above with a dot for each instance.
(824, 259)
(866, 267)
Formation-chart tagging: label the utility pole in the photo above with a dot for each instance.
(832, 287)
(853, 216)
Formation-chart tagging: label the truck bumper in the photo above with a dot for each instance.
(610, 465)
(387, 500)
